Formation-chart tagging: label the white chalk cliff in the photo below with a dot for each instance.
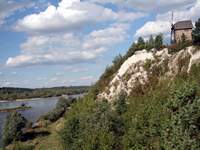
(139, 69)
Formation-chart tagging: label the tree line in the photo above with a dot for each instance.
(24, 93)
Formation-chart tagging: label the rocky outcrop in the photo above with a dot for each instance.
(140, 69)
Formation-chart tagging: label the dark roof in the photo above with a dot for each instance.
(183, 25)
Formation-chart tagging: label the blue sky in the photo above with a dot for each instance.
(49, 43)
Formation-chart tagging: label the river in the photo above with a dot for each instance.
(40, 106)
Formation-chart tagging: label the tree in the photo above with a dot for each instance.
(151, 43)
(14, 124)
(121, 106)
(140, 43)
(117, 62)
(159, 41)
(131, 50)
(196, 33)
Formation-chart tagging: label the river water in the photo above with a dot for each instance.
(40, 106)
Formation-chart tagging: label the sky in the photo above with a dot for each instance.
(48, 43)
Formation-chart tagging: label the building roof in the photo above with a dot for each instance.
(183, 25)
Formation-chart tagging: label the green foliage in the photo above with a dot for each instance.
(164, 117)
(120, 104)
(60, 109)
(14, 124)
(183, 125)
(91, 125)
(196, 33)
(159, 41)
(184, 43)
(151, 43)
(140, 43)
(20, 146)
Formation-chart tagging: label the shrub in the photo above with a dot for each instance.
(159, 42)
(196, 33)
(181, 130)
(20, 146)
(60, 109)
(179, 46)
(14, 124)
(120, 103)
(92, 125)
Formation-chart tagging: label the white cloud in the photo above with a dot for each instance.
(71, 15)
(86, 78)
(8, 7)
(107, 37)
(153, 28)
(162, 23)
(68, 48)
(76, 69)
(149, 5)
(54, 37)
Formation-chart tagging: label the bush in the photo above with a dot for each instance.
(179, 46)
(20, 146)
(14, 124)
(164, 117)
(196, 33)
(120, 104)
(60, 109)
(159, 42)
(182, 130)
(92, 125)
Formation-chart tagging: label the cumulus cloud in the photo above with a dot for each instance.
(53, 36)
(8, 7)
(71, 15)
(67, 48)
(162, 23)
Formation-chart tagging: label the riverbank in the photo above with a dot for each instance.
(15, 108)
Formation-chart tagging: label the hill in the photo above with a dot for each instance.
(152, 101)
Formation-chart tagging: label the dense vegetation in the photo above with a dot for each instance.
(61, 107)
(22, 93)
(167, 117)
(15, 122)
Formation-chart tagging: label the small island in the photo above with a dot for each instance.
(22, 107)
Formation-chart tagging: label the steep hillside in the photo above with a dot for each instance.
(161, 111)
(145, 68)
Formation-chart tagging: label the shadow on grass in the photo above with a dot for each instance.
(34, 134)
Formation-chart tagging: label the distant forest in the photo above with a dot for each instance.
(9, 93)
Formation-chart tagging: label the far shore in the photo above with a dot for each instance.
(37, 98)
(25, 99)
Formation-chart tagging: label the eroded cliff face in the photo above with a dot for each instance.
(143, 68)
